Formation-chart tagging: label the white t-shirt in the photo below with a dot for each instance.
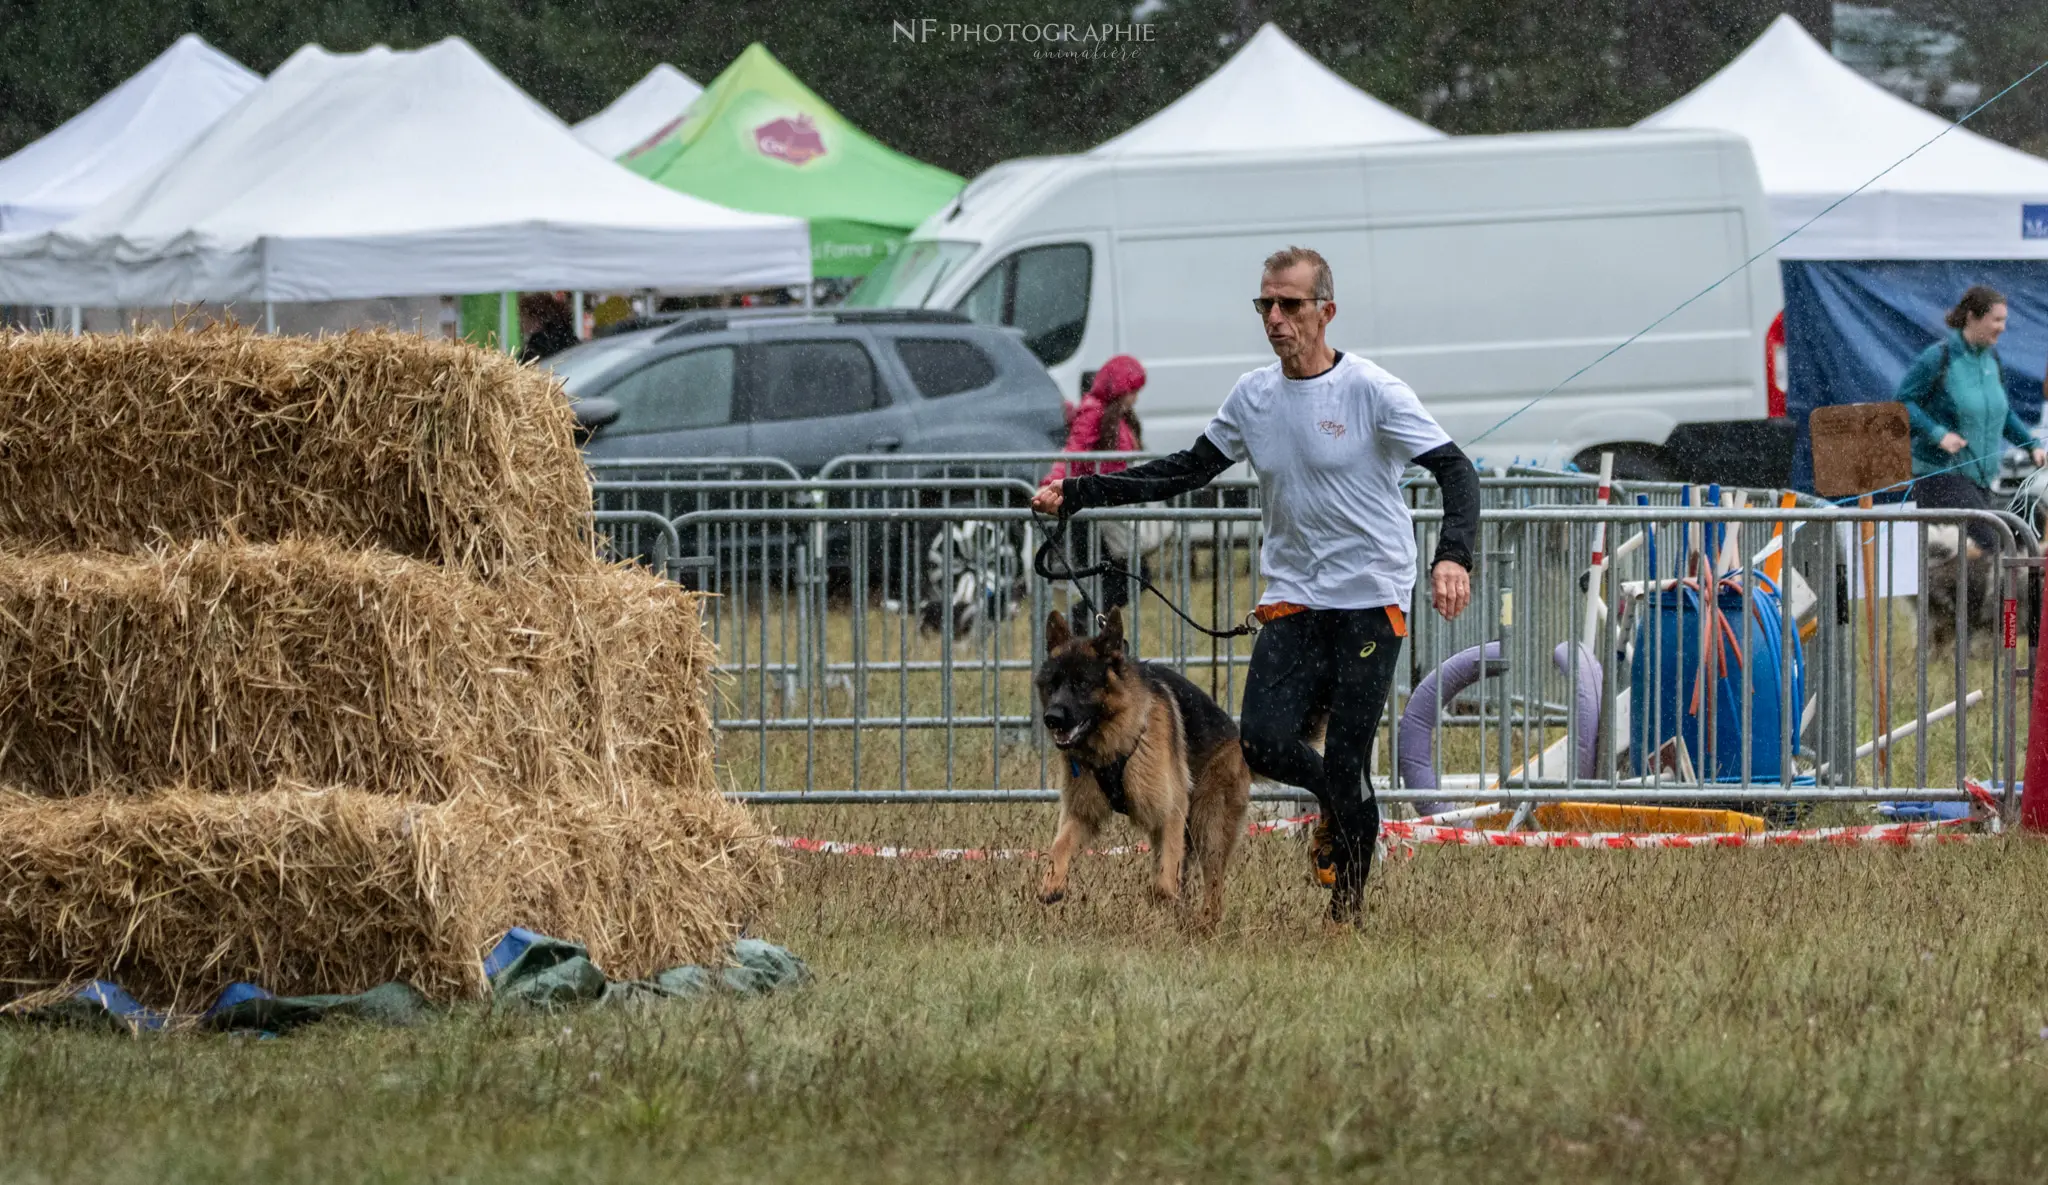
(1330, 452)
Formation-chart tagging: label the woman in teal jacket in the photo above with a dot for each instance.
(1955, 396)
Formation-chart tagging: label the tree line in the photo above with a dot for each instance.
(1466, 66)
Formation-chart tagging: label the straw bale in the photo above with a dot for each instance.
(433, 449)
(177, 894)
(229, 667)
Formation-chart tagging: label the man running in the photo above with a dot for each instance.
(1330, 435)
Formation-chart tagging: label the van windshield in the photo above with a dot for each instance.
(907, 279)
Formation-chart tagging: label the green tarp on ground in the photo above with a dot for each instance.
(757, 139)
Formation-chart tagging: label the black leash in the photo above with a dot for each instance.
(1055, 541)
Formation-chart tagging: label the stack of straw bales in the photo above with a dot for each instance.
(310, 675)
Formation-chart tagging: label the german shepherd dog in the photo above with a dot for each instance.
(1951, 560)
(1140, 740)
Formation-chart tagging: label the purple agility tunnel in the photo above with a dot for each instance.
(1462, 670)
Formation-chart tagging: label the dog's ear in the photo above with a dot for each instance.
(1110, 642)
(1056, 632)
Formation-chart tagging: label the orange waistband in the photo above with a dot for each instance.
(1280, 609)
(1277, 610)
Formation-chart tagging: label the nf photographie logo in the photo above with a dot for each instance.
(1043, 39)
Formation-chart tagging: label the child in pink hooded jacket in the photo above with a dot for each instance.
(1107, 422)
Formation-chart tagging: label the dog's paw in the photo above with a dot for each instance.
(1165, 892)
(1052, 896)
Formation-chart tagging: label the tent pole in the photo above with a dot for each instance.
(505, 302)
(576, 311)
(77, 321)
(269, 308)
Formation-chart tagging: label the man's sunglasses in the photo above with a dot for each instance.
(1289, 305)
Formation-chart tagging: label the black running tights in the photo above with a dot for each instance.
(1339, 661)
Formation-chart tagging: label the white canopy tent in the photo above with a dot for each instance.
(127, 132)
(1819, 130)
(392, 173)
(1238, 109)
(646, 107)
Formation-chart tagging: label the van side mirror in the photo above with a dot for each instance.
(592, 415)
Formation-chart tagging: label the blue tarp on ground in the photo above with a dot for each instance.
(1852, 327)
(525, 969)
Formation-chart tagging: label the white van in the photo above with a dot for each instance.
(1482, 269)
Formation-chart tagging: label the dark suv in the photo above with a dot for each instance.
(810, 386)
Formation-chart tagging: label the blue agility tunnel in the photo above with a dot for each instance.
(1741, 643)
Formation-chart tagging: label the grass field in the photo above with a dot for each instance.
(1825, 1015)
(1771, 1015)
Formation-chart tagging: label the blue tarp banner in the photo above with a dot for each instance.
(1852, 328)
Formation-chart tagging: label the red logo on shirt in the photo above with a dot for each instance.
(794, 140)
(1330, 428)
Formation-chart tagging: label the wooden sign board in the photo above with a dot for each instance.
(1859, 448)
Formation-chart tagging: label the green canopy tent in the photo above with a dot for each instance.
(757, 139)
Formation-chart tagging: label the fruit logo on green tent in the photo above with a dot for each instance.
(795, 140)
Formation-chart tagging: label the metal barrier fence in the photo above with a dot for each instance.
(878, 636)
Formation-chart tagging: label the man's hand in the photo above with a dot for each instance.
(1047, 500)
(2040, 457)
(1450, 588)
(1952, 444)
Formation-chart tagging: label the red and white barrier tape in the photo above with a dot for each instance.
(833, 847)
(1879, 834)
(1412, 834)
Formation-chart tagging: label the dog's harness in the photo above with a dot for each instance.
(1109, 779)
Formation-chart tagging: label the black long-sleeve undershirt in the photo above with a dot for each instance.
(1192, 468)
(1457, 483)
(1154, 481)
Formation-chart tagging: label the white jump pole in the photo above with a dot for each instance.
(1910, 727)
(576, 311)
(1461, 815)
(77, 321)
